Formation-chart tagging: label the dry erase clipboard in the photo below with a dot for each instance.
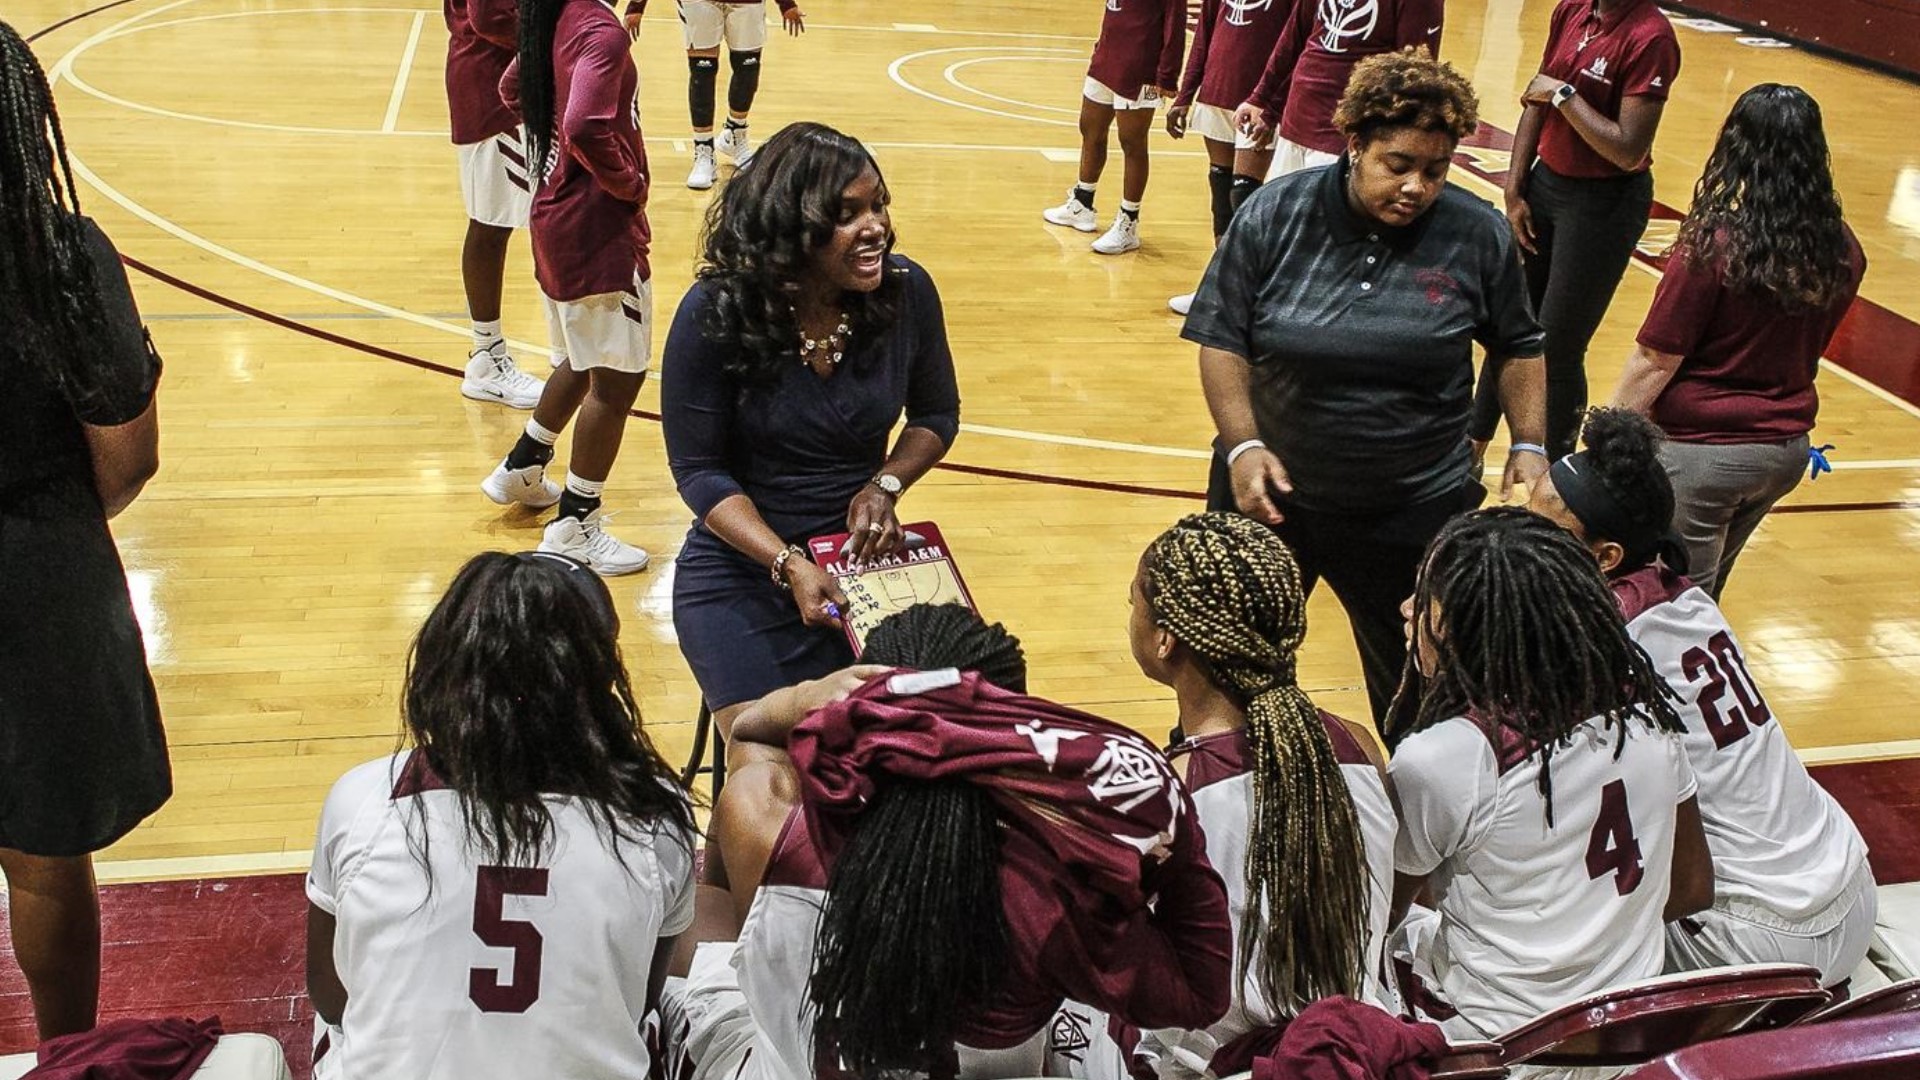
(922, 571)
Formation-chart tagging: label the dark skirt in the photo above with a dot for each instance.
(741, 633)
(83, 758)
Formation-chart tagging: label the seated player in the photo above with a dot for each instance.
(944, 861)
(1293, 800)
(499, 899)
(1546, 805)
(1791, 881)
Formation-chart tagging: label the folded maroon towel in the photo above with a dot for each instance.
(171, 1048)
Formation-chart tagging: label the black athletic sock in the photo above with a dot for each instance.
(528, 451)
(1243, 188)
(706, 141)
(1132, 212)
(1084, 195)
(574, 505)
(1220, 185)
(735, 125)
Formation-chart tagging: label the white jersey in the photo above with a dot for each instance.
(1532, 916)
(493, 971)
(1780, 843)
(1219, 777)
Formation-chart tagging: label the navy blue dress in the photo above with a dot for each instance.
(800, 448)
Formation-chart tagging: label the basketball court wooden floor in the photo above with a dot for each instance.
(279, 175)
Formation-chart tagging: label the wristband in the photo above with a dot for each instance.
(1233, 455)
(1528, 448)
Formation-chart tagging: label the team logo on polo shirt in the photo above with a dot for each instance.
(1241, 12)
(1598, 70)
(1347, 20)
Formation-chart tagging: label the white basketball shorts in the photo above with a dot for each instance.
(494, 181)
(1101, 94)
(707, 23)
(609, 330)
(1291, 157)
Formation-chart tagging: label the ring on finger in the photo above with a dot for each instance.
(876, 527)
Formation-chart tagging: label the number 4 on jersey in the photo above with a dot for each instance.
(1612, 848)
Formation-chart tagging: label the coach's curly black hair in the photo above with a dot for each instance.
(933, 636)
(516, 691)
(1229, 591)
(1406, 89)
(48, 286)
(1527, 635)
(760, 237)
(1766, 207)
(913, 933)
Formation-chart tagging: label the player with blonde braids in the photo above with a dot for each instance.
(1291, 799)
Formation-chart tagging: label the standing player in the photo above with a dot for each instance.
(1230, 49)
(1136, 65)
(1542, 788)
(742, 25)
(1791, 881)
(1308, 70)
(577, 91)
(495, 183)
(498, 900)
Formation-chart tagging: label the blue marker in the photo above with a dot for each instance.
(833, 610)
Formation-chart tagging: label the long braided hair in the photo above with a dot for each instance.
(1525, 634)
(1229, 591)
(538, 21)
(913, 931)
(48, 286)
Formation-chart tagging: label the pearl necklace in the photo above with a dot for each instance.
(833, 348)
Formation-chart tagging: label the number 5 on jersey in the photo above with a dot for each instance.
(1612, 848)
(490, 924)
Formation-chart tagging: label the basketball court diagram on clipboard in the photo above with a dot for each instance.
(921, 572)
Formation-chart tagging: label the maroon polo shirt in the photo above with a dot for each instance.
(1231, 44)
(1631, 52)
(589, 219)
(1140, 45)
(482, 37)
(1306, 74)
(1746, 365)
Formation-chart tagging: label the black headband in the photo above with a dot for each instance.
(581, 578)
(1600, 514)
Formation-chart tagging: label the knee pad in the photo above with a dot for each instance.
(1220, 183)
(745, 82)
(1243, 187)
(703, 73)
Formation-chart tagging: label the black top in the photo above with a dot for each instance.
(1361, 336)
(42, 438)
(803, 446)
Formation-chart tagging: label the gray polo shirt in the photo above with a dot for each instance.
(1361, 336)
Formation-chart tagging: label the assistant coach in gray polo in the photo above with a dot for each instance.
(1336, 327)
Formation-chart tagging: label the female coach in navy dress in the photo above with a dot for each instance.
(789, 363)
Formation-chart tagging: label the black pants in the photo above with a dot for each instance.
(1370, 561)
(1584, 232)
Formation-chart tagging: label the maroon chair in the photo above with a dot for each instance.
(1633, 1024)
(1470, 1061)
(1869, 1048)
(1901, 997)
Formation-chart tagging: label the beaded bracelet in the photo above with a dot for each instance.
(780, 566)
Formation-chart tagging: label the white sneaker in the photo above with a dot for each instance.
(587, 541)
(733, 143)
(493, 376)
(1123, 237)
(1073, 213)
(701, 178)
(1181, 304)
(529, 486)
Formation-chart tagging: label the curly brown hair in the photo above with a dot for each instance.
(1406, 89)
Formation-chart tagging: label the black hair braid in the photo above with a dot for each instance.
(1229, 591)
(913, 931)
(933, 636)
(1623, 448)
(49, 288)
(538, 21)
(1528, 636)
